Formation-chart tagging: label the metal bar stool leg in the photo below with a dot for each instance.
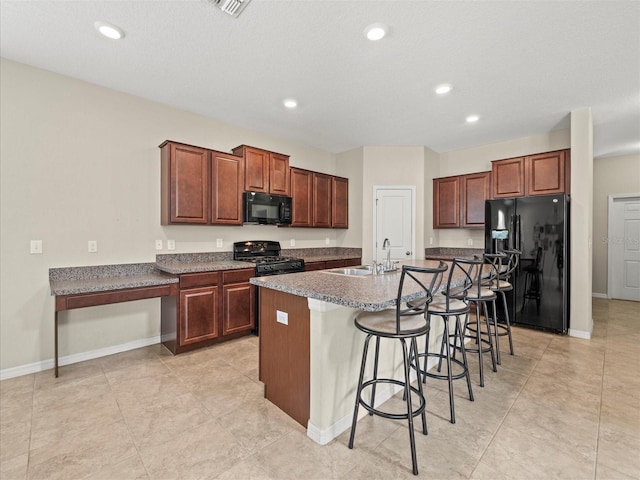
(506, 318)
(414, 346)
(489, 339)
(449, 379)
(495, 332)
(407, 389)
(359, 391)
(375, 374)
(464, 355)
(479, 343)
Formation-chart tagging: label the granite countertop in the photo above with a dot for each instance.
(449, 253)
(323, 254)
(367, 292)
(101, 278)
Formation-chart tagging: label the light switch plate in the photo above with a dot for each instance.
(92, 246)
(36, 247)
(282, 317)
(159, 245)
(219, 242)
(327, 241)
(171, 244)
(470, 242)
(292, 242)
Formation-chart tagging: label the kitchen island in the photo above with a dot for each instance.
(310, 350)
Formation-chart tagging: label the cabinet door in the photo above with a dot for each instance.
(238, 308)
(227, 182)
(508, 178)
(446, 202)
(321, 200)
(198, 315)
(474, 190)
(256, 176)
(545, 173)
(187, 169)
(302, 198)
(339, 202)
(278, 174)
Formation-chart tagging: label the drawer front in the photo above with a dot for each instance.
(205, 279)
(238, 276)
(311, 266)
(335, 263)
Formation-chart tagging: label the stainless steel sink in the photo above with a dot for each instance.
(360, 270)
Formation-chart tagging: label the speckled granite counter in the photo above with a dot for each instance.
(363, 292)
(448, 253)
(323, 254)
(101, 278)
(199, 262)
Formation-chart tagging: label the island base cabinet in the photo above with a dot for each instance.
(284, 352)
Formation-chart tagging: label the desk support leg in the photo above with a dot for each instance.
(56, 346)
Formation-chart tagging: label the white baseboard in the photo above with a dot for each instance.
(579, 334)
(76, 358)
(599, 295)
(324, 436)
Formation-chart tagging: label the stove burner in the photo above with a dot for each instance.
(266, 256)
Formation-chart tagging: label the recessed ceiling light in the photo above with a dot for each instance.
(109, 30)
(290, 103)
(442, 89)
(375, 31)
(472, 118)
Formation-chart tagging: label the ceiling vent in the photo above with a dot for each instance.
(231, 7)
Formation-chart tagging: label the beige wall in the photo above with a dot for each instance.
(350, 164)
(613, 175)
(80, 162)
(392, 166)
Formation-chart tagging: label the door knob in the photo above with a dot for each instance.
(408, 253)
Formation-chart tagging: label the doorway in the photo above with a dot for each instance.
(623, 245)
(394, 218)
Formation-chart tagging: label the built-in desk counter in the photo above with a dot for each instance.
(79, 287)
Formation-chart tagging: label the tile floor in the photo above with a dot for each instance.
(561, 407)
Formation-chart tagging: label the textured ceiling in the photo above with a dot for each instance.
(522, 66)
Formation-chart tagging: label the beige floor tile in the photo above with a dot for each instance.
(15, 468)
(86, 453)
(619, 448)
(157, 421)
(54, 425)
(139, 357)
(604, 472)
(16, 386)
(248, 469)
(200, 452)
(15, 432)
(224, 395)
(516, 454)
(68, 373)
(131, 468)
(69, 390)
(145, 368)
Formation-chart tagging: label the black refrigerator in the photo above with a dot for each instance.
(538, 227)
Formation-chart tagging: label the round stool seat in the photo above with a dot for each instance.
(383, 323)
(439, 305)
(484, 295)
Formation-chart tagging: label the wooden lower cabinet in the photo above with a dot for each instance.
(348, 262)
(211, 307)
(199, 315)
(312, 266)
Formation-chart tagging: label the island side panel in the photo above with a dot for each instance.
(284, 353)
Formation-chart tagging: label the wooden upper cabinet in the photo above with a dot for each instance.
(279, 174)
(185, 183)
(475, 188)
(302, 198)
(321, 200)
(446, 202)
(541, 174)
(545, 173)
(266, 172)
(339, 202)
(508, 177)
(227, 182)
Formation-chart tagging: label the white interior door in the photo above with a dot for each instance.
(394, 219)
(624, 247)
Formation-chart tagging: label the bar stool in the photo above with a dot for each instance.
(403, 323)
(500, 285)
(532, 278)
(450, 302)
(479, 296)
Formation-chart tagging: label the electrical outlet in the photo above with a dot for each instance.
(36, 247)
(430, 240)
(292, 242)
(159, 245)
(171, 244)
(282, 317)
(327, 241)
(92, 246)
(470, 242)
(219, 242)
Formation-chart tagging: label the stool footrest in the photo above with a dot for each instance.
(442, 376)
(394, 416)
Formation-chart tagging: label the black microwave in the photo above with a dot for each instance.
(266, 209)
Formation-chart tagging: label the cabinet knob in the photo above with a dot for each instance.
(408, 253)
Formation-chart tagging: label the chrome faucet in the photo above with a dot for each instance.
(386, 245)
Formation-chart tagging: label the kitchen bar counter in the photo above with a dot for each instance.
(449, 253)
(307, 334)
